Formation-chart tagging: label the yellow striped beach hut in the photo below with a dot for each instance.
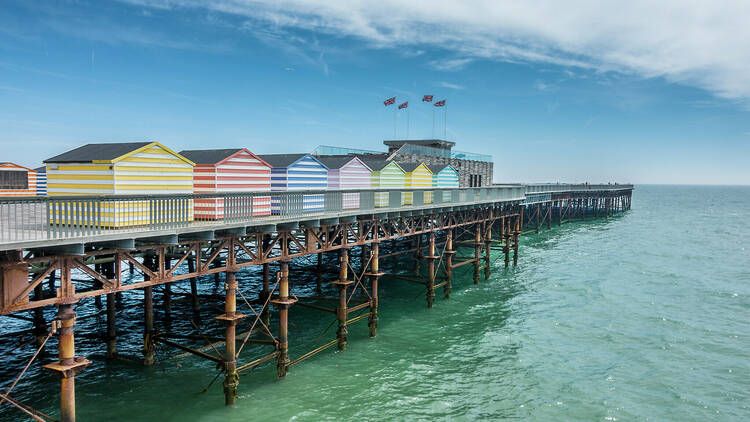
(418, 175)
(135, 168)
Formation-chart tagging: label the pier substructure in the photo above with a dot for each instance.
(267, 244)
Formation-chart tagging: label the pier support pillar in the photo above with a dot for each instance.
(148, 316)
(516, 231)
(448, 263)
(431, 270)
(230, 318)
(417, 253)
(167, 289)
(375, 274)
(266, 312)
(193, 286)
(40, 325)
(283, 302)
(477, 251)
(506, 240)
(69, 365)
(319, 274)
(487, 249)
(342, 313)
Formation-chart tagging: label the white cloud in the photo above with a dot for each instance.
(698, 43)
(449, 65)
(449, 85)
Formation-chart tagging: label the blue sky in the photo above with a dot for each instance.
(574, 94)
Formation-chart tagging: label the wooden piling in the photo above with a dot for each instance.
(342, 333)
(282, 360)
(372, 321)
(448, 263)
(431, 270)
(477, 251)
(148, 316)
(230, 317)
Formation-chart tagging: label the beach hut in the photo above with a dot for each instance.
(41, 181)
(134, 168)
(17, 180)
(347, 172)
(444, 176)
(296, 172)
(229, 170)
(417, 175)
(385, 175)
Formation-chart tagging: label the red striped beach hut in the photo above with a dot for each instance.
(17, 180)
(226, 171)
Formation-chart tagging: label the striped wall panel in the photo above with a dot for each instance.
(149, 170)
(41, 184)
(420, 177)
(241, 172)
(304, 174)
(352, 175)
(31, 177)
(445, 178)
(390, 177)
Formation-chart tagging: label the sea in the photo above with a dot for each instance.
(644, 316)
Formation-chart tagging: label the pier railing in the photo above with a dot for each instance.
(70, 217)
(565, 187)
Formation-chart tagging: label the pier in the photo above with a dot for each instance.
(56, 251)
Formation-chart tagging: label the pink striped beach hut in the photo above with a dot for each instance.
(228, 171)
(347, 172)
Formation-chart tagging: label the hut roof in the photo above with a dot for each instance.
(285, 160)
(338, 161)
(409, 167)
(208, 156)
(41, 169)
(436, 168)
(91, 152)
(376, 164)
(108, 152)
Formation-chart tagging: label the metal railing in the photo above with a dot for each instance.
(569, 187)
(54, 218)
(407, 149)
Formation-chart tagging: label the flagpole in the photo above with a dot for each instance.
(407, 122)
(394, 122)
(445, 123)
(433, 122)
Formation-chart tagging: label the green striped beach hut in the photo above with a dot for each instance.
(385, 175)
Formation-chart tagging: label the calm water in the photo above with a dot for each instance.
(644, 316)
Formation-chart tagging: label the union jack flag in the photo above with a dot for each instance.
(404, 105)
(390, 101)
(427, 98)
(440, 103)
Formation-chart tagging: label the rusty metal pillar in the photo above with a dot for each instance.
(431, 270)
(167, 289)
(417, 253)
(230, 318)
(487, 249)
(111, 337)
(69, 365)
(448, 263)
(266, 311)
(375, 274)
(477, 252)
(283, 302)
(193, 286)
(319, 274)
(506, 240)
(341, 310)
(148, 315)
(40, 324)
(516, 232)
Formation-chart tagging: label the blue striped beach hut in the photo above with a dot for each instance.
(444, 176)
(41, 181)
(293, 173)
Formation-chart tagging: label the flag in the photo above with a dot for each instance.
(427, 98)
(440, 103)
(390, 101)
(404, 105)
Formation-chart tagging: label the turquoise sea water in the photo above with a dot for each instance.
(644, 316)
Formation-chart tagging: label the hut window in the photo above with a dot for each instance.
(14, 179)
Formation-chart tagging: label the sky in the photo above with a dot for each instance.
(574, 91)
